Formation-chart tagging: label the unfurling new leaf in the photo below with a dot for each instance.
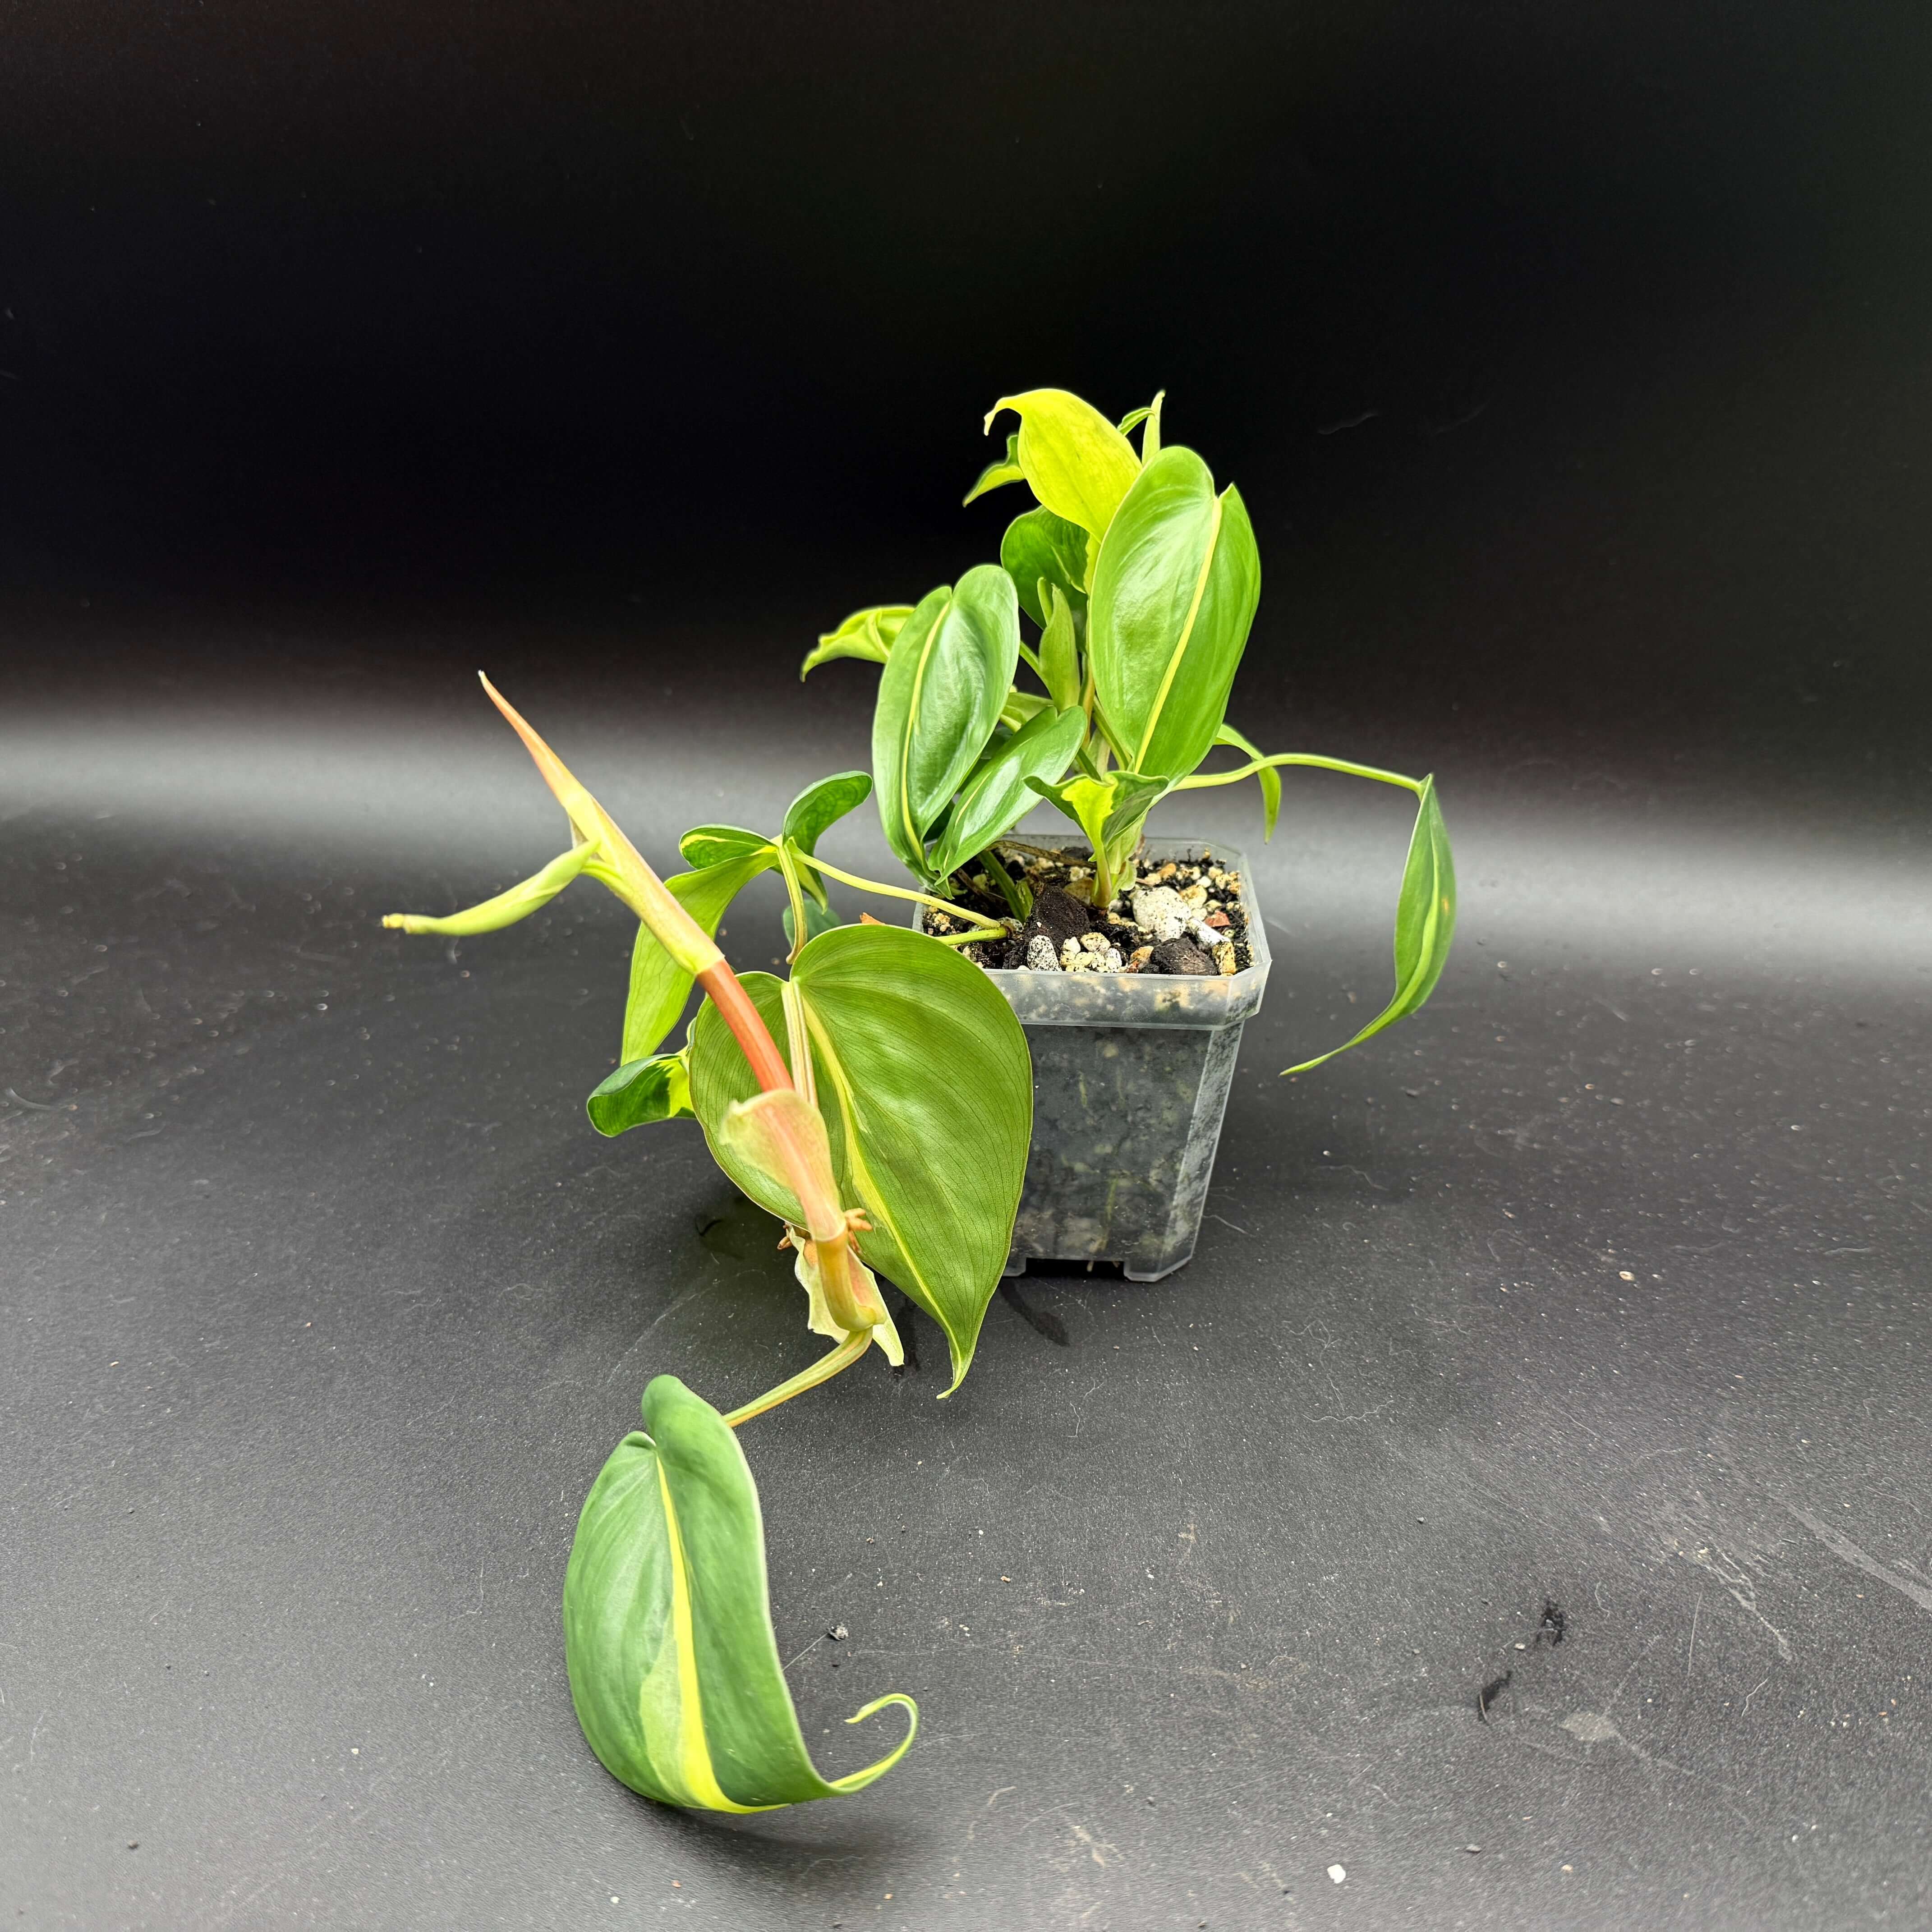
(667, 1634)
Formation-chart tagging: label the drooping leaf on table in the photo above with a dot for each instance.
(1174, 594)
(1425, 922)
(926, 1086)
(659, 987)
(668, 1637)
(939, 701)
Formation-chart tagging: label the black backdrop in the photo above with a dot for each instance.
(690, 304)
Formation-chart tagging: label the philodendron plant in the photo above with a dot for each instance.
(878, 1100)
(1143, 582)
(816, 1095)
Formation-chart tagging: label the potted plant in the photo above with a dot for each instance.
(1133, 973)
(816, 1092)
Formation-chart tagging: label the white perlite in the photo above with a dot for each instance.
(1161, 911)
(1089, 953)
(1041, 957)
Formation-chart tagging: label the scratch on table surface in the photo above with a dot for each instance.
(1842, 1547)
(664, 1314)
(1743, 1592)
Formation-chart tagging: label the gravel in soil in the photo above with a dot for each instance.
(1183, 916)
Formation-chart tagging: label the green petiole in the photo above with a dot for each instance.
(1200, 780)
(900, 892)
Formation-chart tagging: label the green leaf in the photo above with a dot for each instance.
(1040, 545)
(667, 1634)
(1174, 593)
(926, 1086)
(1268, 777)
(1021, 707)
(1078, 463)
(1007, 470)
(997, 796)
(707, 845)
(939, 700)
(1425, 922)
(657, 1089)
(818, 919)
(1059, 648)
(865, 633)
(1150, 436)
(1106, 807)
(659, 986)
(820, 806)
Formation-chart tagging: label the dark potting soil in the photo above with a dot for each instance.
(1182, 916)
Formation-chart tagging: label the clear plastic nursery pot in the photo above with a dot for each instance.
(1130, 1074)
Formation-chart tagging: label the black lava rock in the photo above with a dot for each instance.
(1181, 955)
(1058, 915)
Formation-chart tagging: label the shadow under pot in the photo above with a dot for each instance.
(1130, 1079)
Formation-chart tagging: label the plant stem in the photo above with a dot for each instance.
(1018, 897)
(796, 892)
(1199, 782)
(827, 1366)
(748, 1027)
(900, 892)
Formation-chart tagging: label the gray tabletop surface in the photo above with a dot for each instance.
(1593, 1296)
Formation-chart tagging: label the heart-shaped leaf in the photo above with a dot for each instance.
(707, 845)
(1174, 594)
(939, 700)
(659, 986)
(865, 633)
(820, 806)
(657, 1089)
(667, 1635)
(997, 794)
(1425, 922)
(1078, 463)
(926, 1086)
(1041, 545)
